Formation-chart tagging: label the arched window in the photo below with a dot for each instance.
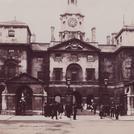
(74, 71)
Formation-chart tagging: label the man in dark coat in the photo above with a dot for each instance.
(68, 110)
(74, 111)
(55, 110)
(117, 112)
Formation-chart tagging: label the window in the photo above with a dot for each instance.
(90, 58)
(74, 72)
(11, 68)
(57, 73)
(74, 76)
(121, 39)
(90, 73)
(11, 33)
(63, 35)
(117, 41)
(11, 51)
(57, 55)
(40, 75)
(74, 57)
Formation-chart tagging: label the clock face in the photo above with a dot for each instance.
(72, 22)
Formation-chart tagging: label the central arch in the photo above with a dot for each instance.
(74, 72)
(23, 100)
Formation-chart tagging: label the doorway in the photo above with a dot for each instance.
(24, 100)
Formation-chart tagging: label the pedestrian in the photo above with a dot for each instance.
(68, 109)
(101, 113)
(112, 110)
(74, 111)
(22, 106)
(94, 107)
(117, 112)
(55, 110)
(60, 110)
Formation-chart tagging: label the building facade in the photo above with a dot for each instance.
(37, 73)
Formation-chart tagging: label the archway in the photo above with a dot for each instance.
(74, 72)
(23, 100)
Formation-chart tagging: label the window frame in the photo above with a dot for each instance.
(90, 74)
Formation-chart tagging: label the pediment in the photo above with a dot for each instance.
(25, 78)
(74, 45)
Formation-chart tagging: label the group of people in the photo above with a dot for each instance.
(56, 110)
(110, 110)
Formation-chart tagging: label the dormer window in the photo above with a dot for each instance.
(11, 33)
(117, 41)
(121, 39)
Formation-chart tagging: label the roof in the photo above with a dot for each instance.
(125, 28)
(40, 46)
(107, 48)
(24, 78)
(74, 40)
(15, 23)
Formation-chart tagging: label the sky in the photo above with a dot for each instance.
(40, 15)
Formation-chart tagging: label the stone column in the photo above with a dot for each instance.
(128, 105)
(64, 76)
(84, 73)
(4, 101)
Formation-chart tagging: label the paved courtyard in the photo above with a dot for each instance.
(83, 125)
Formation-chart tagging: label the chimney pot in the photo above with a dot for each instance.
(93, 32)
(52, 33)
(108, 39)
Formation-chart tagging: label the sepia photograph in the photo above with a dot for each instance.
(66, 66)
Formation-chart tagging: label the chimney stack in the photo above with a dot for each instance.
(52, 34)
(93, 32)
(113, 38)
(108, 39)
(33, 38)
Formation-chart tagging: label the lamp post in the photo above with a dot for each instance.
(2, 88)
(69, 93)
(105, 93)
(68, 82)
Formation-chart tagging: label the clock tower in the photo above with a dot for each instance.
(71, 22)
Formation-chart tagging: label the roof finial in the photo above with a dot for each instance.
(123, 20)
(72, 2)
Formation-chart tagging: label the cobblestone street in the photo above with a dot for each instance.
(83, 125)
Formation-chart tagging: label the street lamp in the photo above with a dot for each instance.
(2, 88)
(69, 92)
(105, 93)
(105, 82)
(68, 82)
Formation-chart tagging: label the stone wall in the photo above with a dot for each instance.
(82, 60)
